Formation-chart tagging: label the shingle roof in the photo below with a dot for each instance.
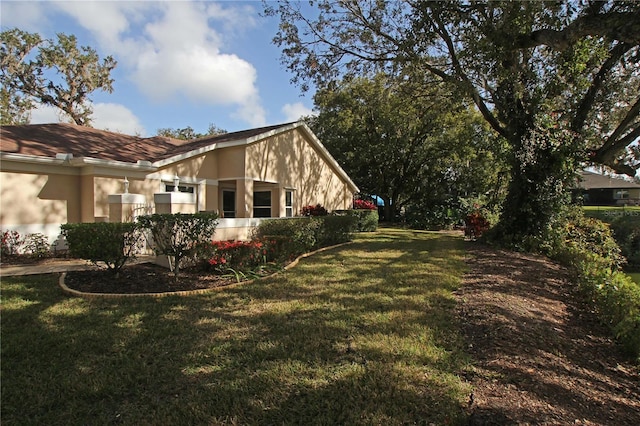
(592, 180)
(47, 140)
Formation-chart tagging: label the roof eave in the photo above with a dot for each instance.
(67, 160)
(219, 145)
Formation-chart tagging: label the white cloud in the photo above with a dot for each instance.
(116, 118)
(44, 114)
(106, 116)
(172, 52)
(293, 112)
(27, 16)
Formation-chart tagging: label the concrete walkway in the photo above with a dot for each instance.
(54, 266)
(50, 267)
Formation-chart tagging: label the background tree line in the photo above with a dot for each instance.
(412, 143)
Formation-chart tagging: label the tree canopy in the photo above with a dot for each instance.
(57, 73)
(558, 80)
(406, 140)
(188, 133)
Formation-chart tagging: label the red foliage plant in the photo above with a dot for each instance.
(475, 225)
(364, 205)
(243, 255)
(316, 210)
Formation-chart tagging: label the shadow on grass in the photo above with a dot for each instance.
(356, 335)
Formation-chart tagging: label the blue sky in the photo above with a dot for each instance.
(180, 63)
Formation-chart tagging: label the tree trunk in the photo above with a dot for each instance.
(543, 169)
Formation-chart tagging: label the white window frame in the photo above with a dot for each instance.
(288, 202)
(188, 188)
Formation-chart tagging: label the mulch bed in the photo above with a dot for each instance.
(539, 356)
(143, 278)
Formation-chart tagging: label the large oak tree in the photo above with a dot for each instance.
(56, 73)
(558, 80)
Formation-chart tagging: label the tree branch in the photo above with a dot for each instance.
(615, 54)
(622, 26)
(632, 114)
(466, 84)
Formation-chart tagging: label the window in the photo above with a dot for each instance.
(621, 194)
(262, 204)
(288, 203)
(229, 204)
(189, 189)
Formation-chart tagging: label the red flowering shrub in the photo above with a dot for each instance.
(237, 255)
(364, 205)
(475, 225)
(316, 210)
(11, 243)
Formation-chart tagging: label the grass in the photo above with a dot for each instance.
(635, 276)
(609, 213)
(362, 334)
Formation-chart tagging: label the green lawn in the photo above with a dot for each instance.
(362, 334)
(635, 276)
(609, 213)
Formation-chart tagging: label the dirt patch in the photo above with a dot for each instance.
(539, 356)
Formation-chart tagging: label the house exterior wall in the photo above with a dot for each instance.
(38, 202)
(291, 160)
(231, 163)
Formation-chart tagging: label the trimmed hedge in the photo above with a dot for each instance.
(113, 244)
(335, 230)
(294, 236)
(366, 219)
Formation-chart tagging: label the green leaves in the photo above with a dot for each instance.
(51, 72)
(113, 244)
(407, 138)
(179, 235)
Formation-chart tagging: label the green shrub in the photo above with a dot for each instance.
(366, 219)
(422, 215)
(295, 235)
(615, 295)
(335, 230)
(626, 231)
(587, 246)
(179, 236)
(581, 234)
(37, 245)
(113, 244)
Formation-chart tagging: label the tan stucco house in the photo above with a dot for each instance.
(52, 174)
(597, 189)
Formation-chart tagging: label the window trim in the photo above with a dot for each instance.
(288, 203)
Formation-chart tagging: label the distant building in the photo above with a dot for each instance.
(600, 190)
